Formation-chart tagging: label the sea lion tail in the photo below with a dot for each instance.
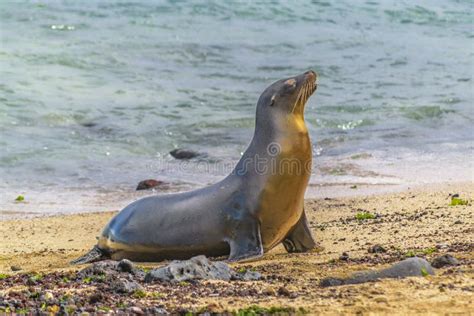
(95, 254)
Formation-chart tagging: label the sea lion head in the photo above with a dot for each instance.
(287, 96)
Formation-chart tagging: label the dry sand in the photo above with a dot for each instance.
(418, 221)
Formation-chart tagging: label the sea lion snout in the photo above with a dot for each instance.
(312, 77)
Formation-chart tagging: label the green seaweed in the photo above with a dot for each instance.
(139, 294)
(429, 251)
(364, 215)
(424, 272)
(36, 277)
(414, 252)
(20, 198)
(353, 186)
(242, 270)
(455, 201)
(3, 276)
(254, 310)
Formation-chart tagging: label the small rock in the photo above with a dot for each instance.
(284, 291)
(444, 260)
(148, 184)
(457, 222)
(269, 291)
(442, 246)
(247, 276)
(377, 249)
(195, 268)
(48, 296)
(344, 256)
(135, 310)
(95, 297)
(158, 311)
(106, 267)
(184, 154)
(331, 282)
(15, 268)
(125, 286)
(111, 269)
(126, 265)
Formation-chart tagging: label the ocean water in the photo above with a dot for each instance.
(94, 95)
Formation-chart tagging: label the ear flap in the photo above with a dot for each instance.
(272, 100)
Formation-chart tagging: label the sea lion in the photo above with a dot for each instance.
(256, 207)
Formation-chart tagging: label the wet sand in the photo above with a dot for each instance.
(413, 222)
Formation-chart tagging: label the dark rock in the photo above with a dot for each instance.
(444, 260)
(106, 267)
(95, 297)
(184, 154)
(344, 256)
(406, 268)
(111, 268)
(377, 249)
(195, 268)
(331, 282)
(126, 265)
(148, 184)
(15, 268)
(122, 285)
(284, 291)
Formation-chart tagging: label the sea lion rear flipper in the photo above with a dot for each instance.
(299, 239)
(95, 254)
(247, 242)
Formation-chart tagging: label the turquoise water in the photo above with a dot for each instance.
(93, 95)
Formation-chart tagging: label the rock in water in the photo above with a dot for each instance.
(444, 260)
(198, 268)
(148, 184)
(184, 154)
(406, 268)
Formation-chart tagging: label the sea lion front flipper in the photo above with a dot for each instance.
(247, 242)
(299, 239)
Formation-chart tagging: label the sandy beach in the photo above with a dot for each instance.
(417, 222)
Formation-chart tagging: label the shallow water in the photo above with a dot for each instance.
(94, 96)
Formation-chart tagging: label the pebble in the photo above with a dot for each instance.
(269, 291)
(125, 286)
(377, 249)
(15, 268)
(284, 291)
(344, 256)
(48, 296)
(135, 310)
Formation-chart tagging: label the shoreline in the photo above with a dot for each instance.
(47, 204)
(418, 220)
